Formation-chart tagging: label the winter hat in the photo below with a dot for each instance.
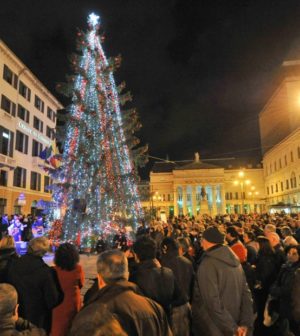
(213, 235)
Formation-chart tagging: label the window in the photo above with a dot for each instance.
(10, 77)
(22, 142)
(275, 166)
(3, 202)
(272, 189)
(292, 157)
(6, 141)
(268, 191)
(169, 197)
(276, 187)
(280, 166)
(23, 113)
(236, 195)
(50, 132)
(19, 177)
(38, 124)
(285, 160)
(35, 181)
(227, 196)
(293, 180)
(3, 178)
(39, 104)
(287, 184)
(298, 152)
(230, 195)
(281, 184)
(36, 148)
(24, 91)
(47, 184)
(8, 106)
(51, 114)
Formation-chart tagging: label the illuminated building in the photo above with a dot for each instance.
(280, 137)
(28, 118)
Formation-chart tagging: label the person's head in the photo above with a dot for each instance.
(38, 246)
(212, 236)
(293, 253)
(112, 266)
(7, 242)
(184, 245)
(273, 238)
(248, 237)
(265, 247)
(101, 323)
(170, 246)
(286, 231)
(269, 228)
(66, 257)
(8, 302)
(145, 248)
(289, 240)
(231, 233)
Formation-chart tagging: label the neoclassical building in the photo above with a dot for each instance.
(199, 187)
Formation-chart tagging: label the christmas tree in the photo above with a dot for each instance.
(96, 181)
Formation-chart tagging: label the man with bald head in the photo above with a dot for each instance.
(10, 323)
(138, 315)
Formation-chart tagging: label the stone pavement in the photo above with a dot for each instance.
(88, 264)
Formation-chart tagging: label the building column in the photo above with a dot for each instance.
(175, 201)
(194, 200)
(184, 200)
(223, 200)
(214, 209)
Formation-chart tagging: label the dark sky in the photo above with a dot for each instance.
(199, 71)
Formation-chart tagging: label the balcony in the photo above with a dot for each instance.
(6, 161)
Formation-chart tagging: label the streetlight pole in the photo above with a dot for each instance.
(242, 182)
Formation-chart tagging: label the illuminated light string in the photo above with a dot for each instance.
(84, 170)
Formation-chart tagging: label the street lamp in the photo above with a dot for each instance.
(155, 197)
(241, 181)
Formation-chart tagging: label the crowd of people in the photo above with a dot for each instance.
(229, 275)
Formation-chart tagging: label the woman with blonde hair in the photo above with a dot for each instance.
(7, 254)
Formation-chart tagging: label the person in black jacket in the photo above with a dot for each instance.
(10, 323)
(137, 315)
(266, 272)
(281, 290)
(156, 282)
(184, 276)
(7, 255)
(36, 283)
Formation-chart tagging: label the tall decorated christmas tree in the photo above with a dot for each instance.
(96, 181)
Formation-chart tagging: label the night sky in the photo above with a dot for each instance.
(199, 71)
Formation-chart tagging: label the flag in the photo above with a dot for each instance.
(43, 154)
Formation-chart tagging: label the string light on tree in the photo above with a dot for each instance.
(100, 156)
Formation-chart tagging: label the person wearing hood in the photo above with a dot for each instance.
(36, 283)
(222, 303)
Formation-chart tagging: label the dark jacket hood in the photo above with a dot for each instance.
(224, 254)
(28, 264)
(110, 291)
(6, 253)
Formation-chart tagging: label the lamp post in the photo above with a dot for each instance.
(242, 182)
(253, 193)
(155, 197)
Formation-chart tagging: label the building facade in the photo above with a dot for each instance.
(198, 187)
(280, 137)
(27, 126)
